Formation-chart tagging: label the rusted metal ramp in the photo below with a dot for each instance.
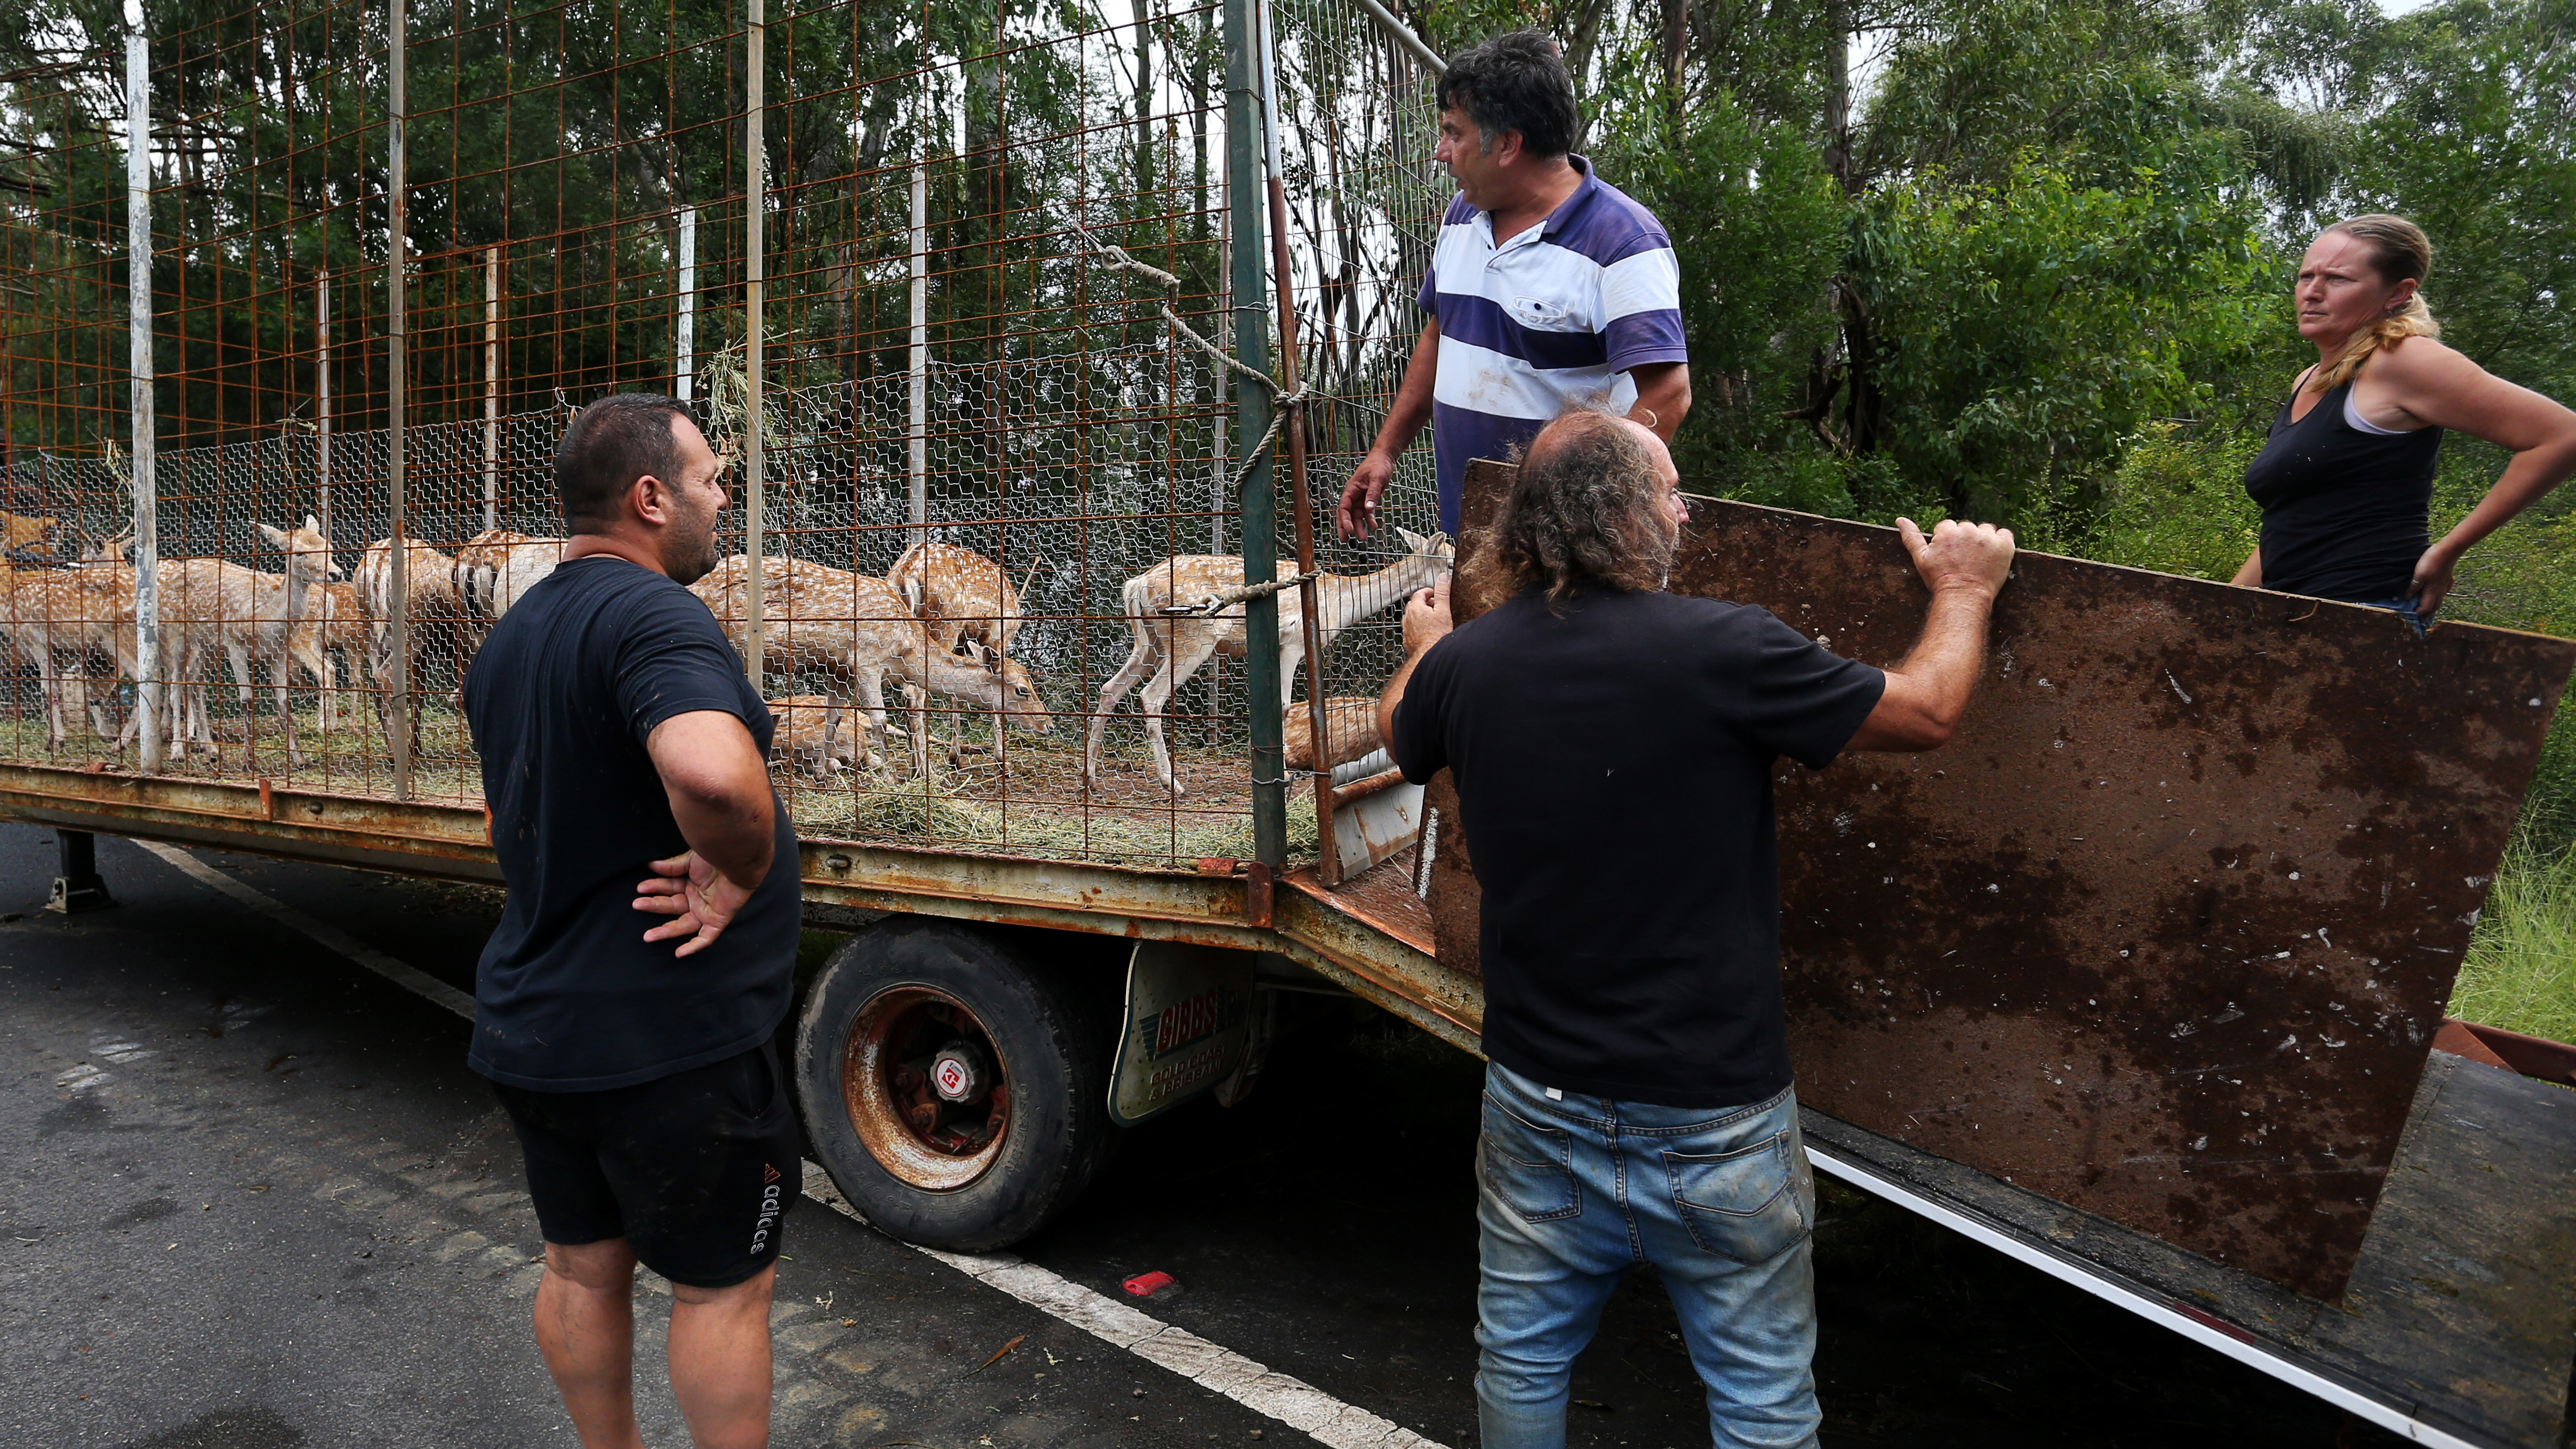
(2142, 972)
(2458, 1323)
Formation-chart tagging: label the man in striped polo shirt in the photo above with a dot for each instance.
(1549, 286)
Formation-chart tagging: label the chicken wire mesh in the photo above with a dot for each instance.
(949, 370)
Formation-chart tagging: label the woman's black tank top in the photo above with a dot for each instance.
(2345, 513)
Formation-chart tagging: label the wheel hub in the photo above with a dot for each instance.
(925, 1088)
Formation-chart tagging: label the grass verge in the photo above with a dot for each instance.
(2520, 972)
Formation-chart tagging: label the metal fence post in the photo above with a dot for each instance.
(919, 417)
(146, 501)
(755, 299)
(322, 391)
(397, 249)
(1245, 202)
(686, 340)
(491, 387)
(1328, 859)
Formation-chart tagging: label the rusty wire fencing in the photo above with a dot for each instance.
(979, 441)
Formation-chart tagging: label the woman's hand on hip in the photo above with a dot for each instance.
(2433, 581)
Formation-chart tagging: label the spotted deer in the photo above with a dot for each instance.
(1350, 729)
(856, 629)
(434, 613)
(969, 600)
(805, 739)
(334, 622)
(65, 622)
(213, 606)
(1173, 649)
(496, 566)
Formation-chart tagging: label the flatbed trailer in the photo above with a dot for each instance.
(2458, 1328)
(979, 312)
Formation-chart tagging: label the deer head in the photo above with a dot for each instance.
(995, 680)
(1437, 548)
(308, 553)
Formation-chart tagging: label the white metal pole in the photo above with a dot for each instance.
(686, 344)
(147, 537)
(491, 387)
(397, 257)
(1221, 466)
(920, 413)
(322, 388)
(755, 298)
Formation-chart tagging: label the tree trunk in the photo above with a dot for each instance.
(1676, 50)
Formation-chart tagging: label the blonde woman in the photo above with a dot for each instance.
(2346, 480)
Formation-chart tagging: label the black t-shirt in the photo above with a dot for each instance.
(570, 997)
(1613, 765)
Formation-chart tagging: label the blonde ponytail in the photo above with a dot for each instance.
(2399, 251)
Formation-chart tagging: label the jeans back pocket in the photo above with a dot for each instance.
(1529, 1167)
(1749, 1204)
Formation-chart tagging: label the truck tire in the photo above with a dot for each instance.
(956, 1095)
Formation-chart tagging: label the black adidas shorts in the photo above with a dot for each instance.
(696, 1170)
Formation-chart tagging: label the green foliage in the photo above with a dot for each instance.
(1750, 201)
(2177, 505)
(2029, 329)
(2474, 137)
(2520, 969)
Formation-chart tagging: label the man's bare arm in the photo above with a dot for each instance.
(1426, 622)
(1405, 419)
(1663, 396)
(1965, 564)
(718, 788)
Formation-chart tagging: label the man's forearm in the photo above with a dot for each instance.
(1951, 653)
(732, 829)
(1410, 412)
(1927, 695)
(1389, 697)
(1663, 396)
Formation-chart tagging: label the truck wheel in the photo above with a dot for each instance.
(956, 1096)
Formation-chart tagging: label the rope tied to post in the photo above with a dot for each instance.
(1282, 397)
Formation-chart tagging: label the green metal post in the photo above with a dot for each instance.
(1246, 203)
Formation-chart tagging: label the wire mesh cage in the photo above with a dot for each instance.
(980, 456)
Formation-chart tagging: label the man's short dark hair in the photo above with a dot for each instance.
(1584, 512)
(611, 443)
(1515, 81)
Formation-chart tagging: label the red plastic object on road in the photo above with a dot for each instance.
(1146, 1285)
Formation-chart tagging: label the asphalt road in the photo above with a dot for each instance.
(253, 1199)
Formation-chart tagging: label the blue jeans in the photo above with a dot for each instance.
(2402, 608)
(1576, 1191)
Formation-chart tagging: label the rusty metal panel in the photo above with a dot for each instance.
(2165, 932)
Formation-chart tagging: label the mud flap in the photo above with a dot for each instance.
(1188, 1023)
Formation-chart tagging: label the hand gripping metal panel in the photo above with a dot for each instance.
(2165, 932)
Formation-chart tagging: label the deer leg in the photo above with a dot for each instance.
(49, 678)
(1189, 653)
(1140, 662)
(279, 674)
(1292, 649)
(869, 692)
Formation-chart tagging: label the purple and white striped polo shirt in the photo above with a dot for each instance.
(1554, 316)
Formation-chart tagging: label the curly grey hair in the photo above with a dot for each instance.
(1585, 512)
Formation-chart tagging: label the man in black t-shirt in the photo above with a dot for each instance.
(620, 740)
(1612, 748)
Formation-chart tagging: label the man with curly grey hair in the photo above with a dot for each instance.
(1612, 747)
